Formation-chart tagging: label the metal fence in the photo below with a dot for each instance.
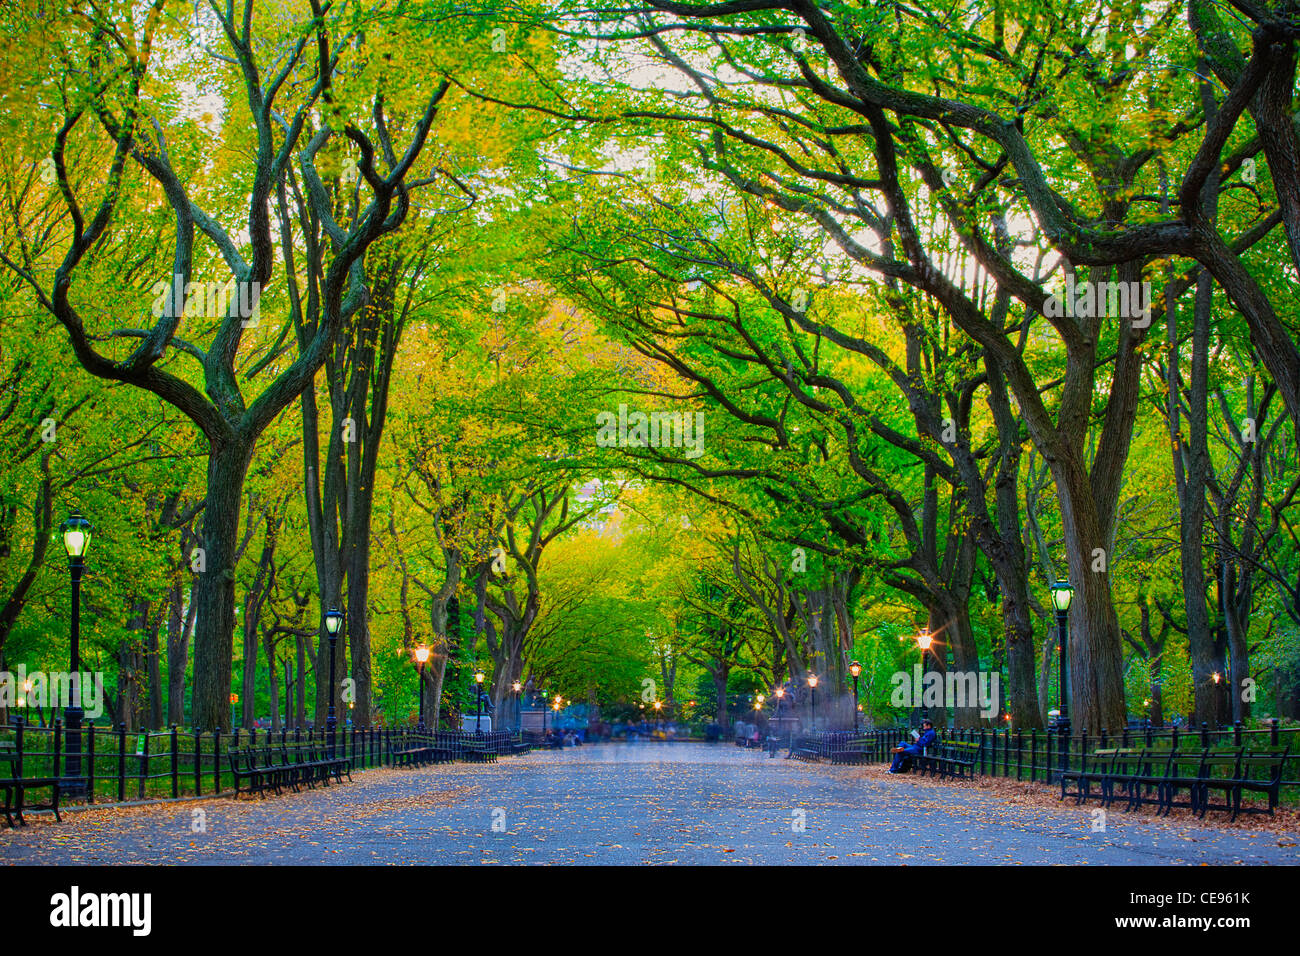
(116, 765)
(1035, 755)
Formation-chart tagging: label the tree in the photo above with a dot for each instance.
(102, 78)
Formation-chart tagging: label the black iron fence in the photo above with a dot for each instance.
(1035, 755)
(115, 765)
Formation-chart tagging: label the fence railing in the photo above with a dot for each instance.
(1035, 755)
(114, 765)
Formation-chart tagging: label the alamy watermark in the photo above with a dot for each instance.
(1088, 300)
(953, 689)
(210, 299)
(21, 689)
(655, 430)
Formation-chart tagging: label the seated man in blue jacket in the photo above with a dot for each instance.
(903, 755)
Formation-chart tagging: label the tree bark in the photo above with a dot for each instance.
(214, 595)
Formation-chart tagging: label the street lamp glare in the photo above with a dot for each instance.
(478, 677)
(780, 692)
(812, 680)
(333, 620)
(855, 668)
(1062, 595)
(516, 686)
(76, 535)
(422, 654)
(924, 639)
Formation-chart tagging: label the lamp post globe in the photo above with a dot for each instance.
(76, 532)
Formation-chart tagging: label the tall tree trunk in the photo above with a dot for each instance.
(273, 683)
(180, 624)
(214, 634)
(248, 698)
(358, 582)
(300, 690)
(720, 674)
(152, 663)
(1096, 683)
(1192, 508)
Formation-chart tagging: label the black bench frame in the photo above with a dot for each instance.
(16, 787)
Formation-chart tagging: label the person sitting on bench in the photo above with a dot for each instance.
(903, 755)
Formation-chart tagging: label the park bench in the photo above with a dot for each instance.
(1104, 767)
(259, 769)
(253, 770)
(1093, 767)
(410, 753)
(956, 758)
(1140, 775)
(1253, 772)
(852, 750)
(306, 763)
(338, 765)
(1218, 770)
(15, 788)
(805, 748)
(1167, 773)
(1153, 775)
(478, 752)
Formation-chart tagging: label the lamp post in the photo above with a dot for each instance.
(1062, 595)
(76, 539)
(856, 670)
(517, 687)
(924, 640)
(333, 621)
(812, 685)
(478, 702)
(421, 658)
(776, 710)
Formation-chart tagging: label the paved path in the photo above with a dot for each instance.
(626, 804)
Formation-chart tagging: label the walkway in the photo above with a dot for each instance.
(625, 804)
